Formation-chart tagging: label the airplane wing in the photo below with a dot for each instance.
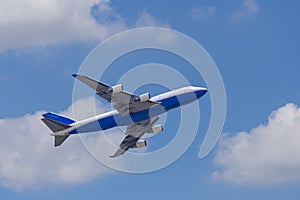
(125, 102)
(134, 132)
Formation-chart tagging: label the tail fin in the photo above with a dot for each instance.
(57, 123)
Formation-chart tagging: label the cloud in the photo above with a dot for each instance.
(146, 19)
(45, 22)
(267, 155)
(202, 12)
(29, 160)
(249, 9)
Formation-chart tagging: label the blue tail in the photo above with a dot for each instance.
(57, 123)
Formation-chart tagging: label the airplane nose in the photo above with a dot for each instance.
(203, 89)
(200, 91)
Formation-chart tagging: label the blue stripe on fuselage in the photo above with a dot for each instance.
(120, 120)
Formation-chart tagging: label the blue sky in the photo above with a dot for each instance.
(255, 46)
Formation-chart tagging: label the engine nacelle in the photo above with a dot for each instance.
(144, 97)
(140, 144)
(117, 88)
(157, 129)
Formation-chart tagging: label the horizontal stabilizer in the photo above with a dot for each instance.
(54, 125)
(60, 139)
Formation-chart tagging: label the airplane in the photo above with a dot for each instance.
(138, 112)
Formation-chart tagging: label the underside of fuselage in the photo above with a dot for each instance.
(167, 101)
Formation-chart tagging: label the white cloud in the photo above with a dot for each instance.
(250, 8)
(267, 155)
(202, 12)
(29, 160)
(41, 22)
(146, 19)
(44, 22)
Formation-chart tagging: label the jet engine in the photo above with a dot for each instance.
(143, 97)
(157, 129)
(117, 88)
(140, 144)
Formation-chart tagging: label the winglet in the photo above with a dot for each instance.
(75, 75)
